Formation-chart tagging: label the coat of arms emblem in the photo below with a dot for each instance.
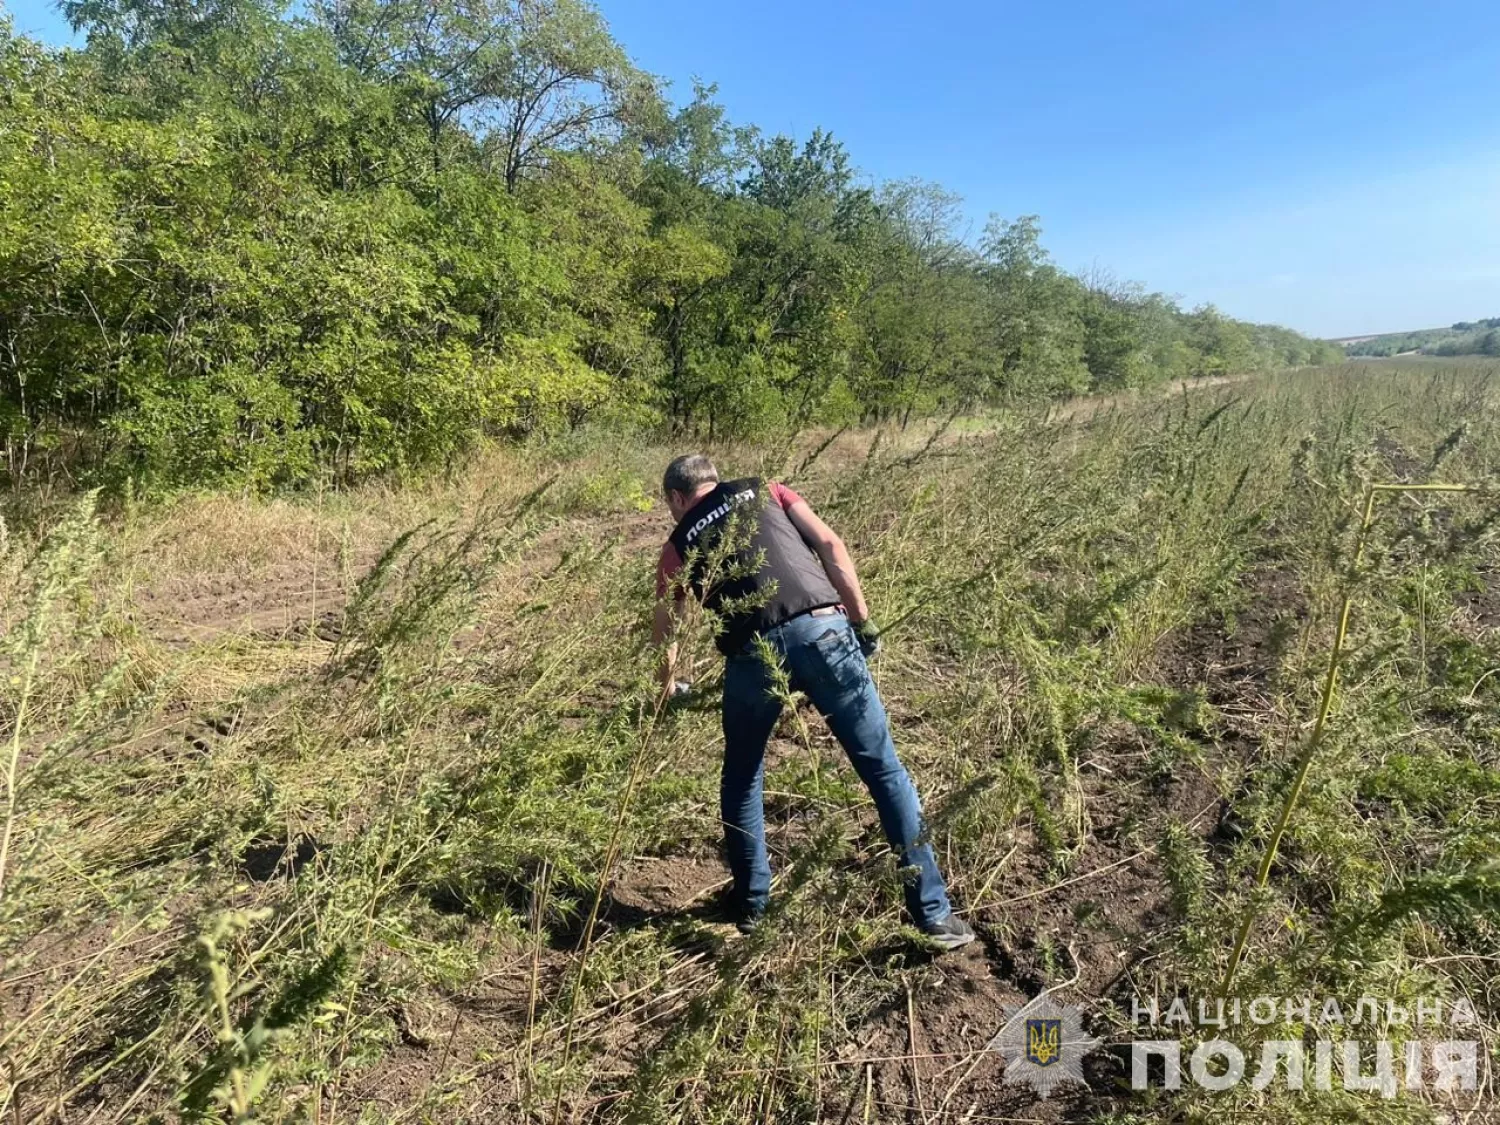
(1044, 1042)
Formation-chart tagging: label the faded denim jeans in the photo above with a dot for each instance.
(823, 660)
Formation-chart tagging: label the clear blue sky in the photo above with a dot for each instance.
(1325, 164)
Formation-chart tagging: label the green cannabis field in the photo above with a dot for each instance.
(361, 806)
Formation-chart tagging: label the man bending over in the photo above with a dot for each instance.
(787, 578)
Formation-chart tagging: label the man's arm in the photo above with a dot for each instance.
(669, 596)
(663, 625)
(835, 557)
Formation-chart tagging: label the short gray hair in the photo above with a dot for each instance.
(687, 472)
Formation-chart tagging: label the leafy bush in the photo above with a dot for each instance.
(266, 249)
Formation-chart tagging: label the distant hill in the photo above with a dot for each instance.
(1467, 337)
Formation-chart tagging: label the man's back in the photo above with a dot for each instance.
(746, 559)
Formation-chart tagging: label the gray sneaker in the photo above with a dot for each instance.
(951, 933)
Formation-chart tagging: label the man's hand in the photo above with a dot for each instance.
(869, 638)
(679, 691)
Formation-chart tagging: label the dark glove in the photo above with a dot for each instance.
(681, 692)
(869, 638)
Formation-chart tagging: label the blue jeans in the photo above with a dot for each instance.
(822, 658)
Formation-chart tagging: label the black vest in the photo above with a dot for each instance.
(764, 574)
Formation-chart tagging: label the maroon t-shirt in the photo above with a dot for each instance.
(671, 562)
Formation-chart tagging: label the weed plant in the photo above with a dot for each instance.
(396, 859)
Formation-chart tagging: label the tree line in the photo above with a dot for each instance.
(1466, 337)
(251, 243)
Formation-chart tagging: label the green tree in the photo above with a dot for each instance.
(1223, 345)
(521, 79)
(922, 315)
(254, 243)
(1114, 332)
(1034, 323)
